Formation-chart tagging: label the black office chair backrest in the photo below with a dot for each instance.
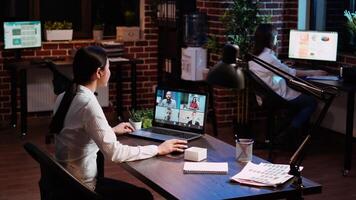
(56, 182)
(270, 99)
(60, 81)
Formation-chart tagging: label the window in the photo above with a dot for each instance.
(12, 11)
(65, 10)
(328, 15)
(115, 13)
(82, 13)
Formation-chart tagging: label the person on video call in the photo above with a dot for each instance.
(168, 101)
(304, 105)
(81, 130)
(193, 121)
(194, 104)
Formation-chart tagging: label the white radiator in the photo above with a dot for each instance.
(40, 95)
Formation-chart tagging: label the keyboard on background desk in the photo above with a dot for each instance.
(324, 78)
(117, 59)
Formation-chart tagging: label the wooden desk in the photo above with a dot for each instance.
(165, 175)
(350, 89)
(19, 69)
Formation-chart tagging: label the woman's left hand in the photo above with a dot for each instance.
(123, 127)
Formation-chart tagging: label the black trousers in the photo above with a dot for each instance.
(114, 189)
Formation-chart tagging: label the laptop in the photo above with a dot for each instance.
(178, 114)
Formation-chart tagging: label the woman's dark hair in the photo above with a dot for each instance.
(263, 38)
(86, 62)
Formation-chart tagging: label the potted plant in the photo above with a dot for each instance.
(351, 28)
(136, 118)
(241, 21)
(98, 31)
(129, 32)
(147, 118)
(141, 118)
(58, 30)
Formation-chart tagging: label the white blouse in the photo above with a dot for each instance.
(275, 82)
(85, 131)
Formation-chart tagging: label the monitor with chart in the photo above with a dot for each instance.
(313, 45)
(22, 34)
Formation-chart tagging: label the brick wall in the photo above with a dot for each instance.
(284, 16)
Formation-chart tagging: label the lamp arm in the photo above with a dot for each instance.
(320, 93)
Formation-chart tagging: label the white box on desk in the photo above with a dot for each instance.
(125, 33)
(195, 154)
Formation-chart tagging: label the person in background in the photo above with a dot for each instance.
(168, 101)
(82, 130)
(265, 39)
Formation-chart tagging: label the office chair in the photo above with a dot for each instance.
(56, 182)
(272, 103)
(60, 81)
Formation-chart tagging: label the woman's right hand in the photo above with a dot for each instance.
(172, 145)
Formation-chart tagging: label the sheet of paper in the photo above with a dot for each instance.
(263, 174)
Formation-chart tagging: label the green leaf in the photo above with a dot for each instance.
(241, 20)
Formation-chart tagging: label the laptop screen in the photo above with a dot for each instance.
(180, 109)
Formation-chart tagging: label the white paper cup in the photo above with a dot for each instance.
(244, 150)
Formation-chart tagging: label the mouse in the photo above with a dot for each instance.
(176, 153)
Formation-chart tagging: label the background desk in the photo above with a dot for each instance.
(18, 71)
(350, 89)
(165, 175)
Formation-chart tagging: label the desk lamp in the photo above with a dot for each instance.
(226, 74)
(325, 94)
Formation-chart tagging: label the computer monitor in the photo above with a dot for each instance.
(313, 45)
(22, 34)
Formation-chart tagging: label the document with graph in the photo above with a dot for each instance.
(263, 174)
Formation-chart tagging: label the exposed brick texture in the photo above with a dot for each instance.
(284, 17)
(145, 49)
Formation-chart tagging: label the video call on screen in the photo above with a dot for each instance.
(179, 108)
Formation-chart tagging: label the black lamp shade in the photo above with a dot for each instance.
(225, 73)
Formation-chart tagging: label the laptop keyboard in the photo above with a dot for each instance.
(172, 133)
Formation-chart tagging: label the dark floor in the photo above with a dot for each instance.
(19, 174)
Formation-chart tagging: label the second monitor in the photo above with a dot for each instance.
(313, 45)
(22, 34)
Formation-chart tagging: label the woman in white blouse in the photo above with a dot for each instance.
(303, 105)
(82, 129)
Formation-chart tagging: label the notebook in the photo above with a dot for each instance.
(177, 114)
(205, 168)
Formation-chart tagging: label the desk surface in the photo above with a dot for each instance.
(165, 175)
(340, 84)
